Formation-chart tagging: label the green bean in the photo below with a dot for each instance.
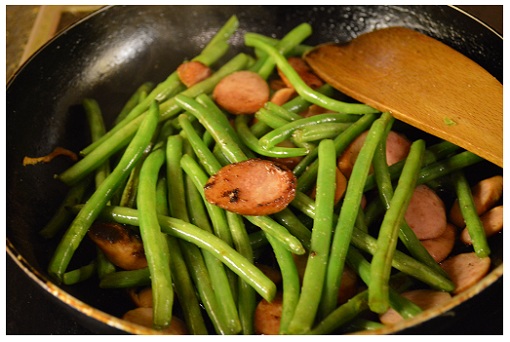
(221, 280)
(319, 132)
(433, 154)
(218, 45)
(97, 130)
(220, 226)
(268, 117)
(80, 274)
(378, 290)
(284, 132)
(304, 204)
(157, 253)
(361, 266)
(126, 279)
(138, 96)
(257, 239)
(246, 299)
(301, 87)
(342, 315)
(404, 263)
(169, 108)
(306, 170)
(447, 166)
(468, 209)
(296, 105)
(217, 215)
(214, 50)
(175, 190)
(103, 264)
(98, 156)
(289, 220)
(205, 240)
(406, 234)
(215, 125)
(349, 212)
(290, 279)
(84, 219)
(249, 139)
(315, 271)
(203, 153)
(282, 111)
(183, 283)
(293, 38)
(62, 216)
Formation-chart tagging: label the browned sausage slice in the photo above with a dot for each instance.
(242, 92)
(304, 71)
(397, 149)
(120, 245)
(466, 269)
(486, 195)
(425, 299)
(268, 315)
(252, 187)
(192, 72)
(440, 247)
(426, 214)
(492, 222)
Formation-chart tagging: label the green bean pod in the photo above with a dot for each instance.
(378, 290)
(90, 211)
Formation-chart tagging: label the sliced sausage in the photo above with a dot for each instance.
(486, 194)
(242, 92)
(143, 317)
(289, 162)
(268, 315)
(426, 213)
(121, 245)
(348, 283)
(341, 186)
(283, 95)
(314, 110)
(440, 247)
(492, 222)
(141, 297)
(425, 299)
(397, 149)
(466, 269)
(304, 71)
(252, 187)
(192, 72)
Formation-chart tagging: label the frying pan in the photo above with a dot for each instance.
(106, 57)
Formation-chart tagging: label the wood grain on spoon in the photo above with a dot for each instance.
(422, 82)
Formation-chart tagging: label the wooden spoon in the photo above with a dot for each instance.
(422, 82)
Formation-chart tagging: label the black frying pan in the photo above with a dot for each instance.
(112, 52)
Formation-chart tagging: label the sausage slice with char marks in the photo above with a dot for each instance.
(121, 245)
(252, 187)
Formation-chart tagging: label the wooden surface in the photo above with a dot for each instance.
(422, 82)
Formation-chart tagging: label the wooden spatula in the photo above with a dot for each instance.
(422, 82)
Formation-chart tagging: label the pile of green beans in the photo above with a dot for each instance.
(148, 173)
